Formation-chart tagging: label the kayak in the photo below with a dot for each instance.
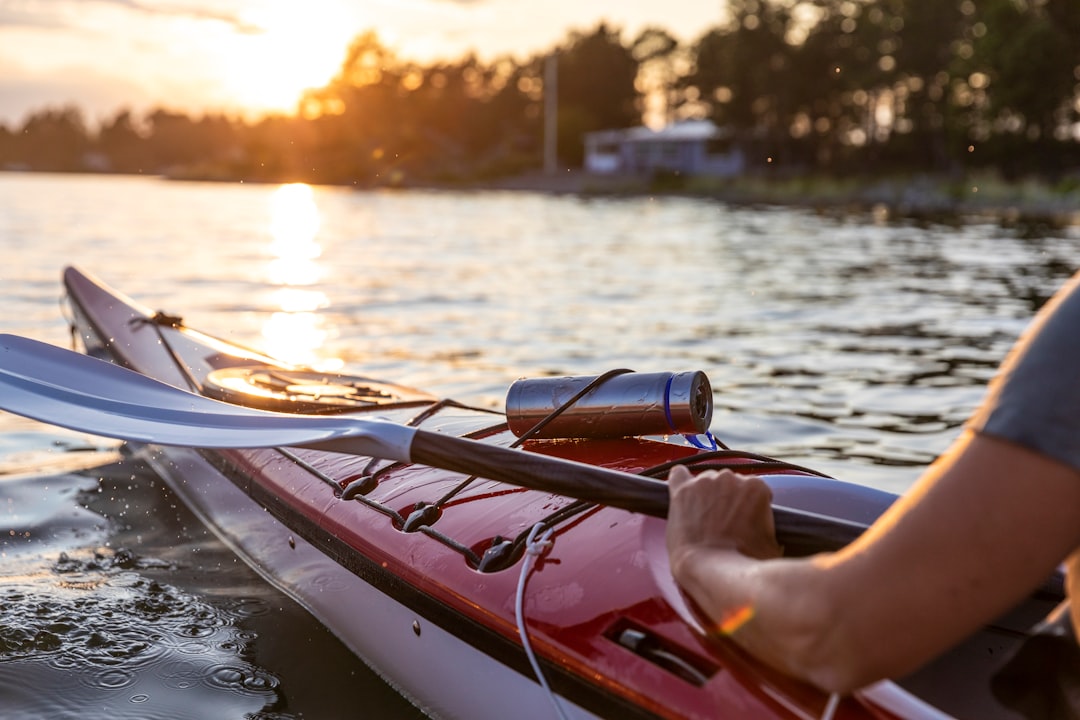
(481, 598)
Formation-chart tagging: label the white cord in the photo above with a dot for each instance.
(830, 707)
(534, 549)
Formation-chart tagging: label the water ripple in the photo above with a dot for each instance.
(853, 344)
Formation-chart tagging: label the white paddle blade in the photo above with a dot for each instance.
(78, 392)
(75, 391)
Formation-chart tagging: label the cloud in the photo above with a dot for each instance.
(21, 14)
(58, 14)
(194, 12)
(98, 96)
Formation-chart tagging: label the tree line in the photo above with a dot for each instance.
(818, 86)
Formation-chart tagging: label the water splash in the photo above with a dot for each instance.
(93, 623)
(119, 602)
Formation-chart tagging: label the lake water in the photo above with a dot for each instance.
(856, 344)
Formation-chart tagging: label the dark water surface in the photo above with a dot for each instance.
(853, 344)
(116, 602)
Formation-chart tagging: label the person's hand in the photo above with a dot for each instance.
(719, 510)
(1072, 589)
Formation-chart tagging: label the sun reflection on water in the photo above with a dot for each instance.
(296, 331)
(294, 227)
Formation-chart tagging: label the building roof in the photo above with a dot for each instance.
(685, 131)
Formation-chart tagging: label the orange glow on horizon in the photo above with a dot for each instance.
(258, 57)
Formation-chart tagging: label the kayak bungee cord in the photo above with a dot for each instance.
(535, 549)
(535, 430)
(369, 472)
(422, 517)
(501, 554)
(753, 462)
(162, 319)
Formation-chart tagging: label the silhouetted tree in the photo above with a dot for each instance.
(596, 83)
(121, 143)
(1027, 56)
(658, 56)
(54, 140)
(745, 72)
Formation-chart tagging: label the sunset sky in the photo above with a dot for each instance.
(258, 55)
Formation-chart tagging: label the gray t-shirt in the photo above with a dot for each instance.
(1035, 399)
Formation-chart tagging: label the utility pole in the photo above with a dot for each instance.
(551, 113)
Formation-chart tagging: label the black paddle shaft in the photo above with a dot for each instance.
(542, 472)
(801, 531)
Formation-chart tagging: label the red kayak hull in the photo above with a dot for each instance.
(412, 601)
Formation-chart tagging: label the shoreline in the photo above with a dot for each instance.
(918, 197)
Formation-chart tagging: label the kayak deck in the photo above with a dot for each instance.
(439, 554)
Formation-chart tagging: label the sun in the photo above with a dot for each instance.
(298, 46)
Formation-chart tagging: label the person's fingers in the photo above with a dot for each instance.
(677, 477)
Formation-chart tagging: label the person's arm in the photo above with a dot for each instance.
(980, 530)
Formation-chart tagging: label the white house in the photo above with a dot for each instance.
(692, 147)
